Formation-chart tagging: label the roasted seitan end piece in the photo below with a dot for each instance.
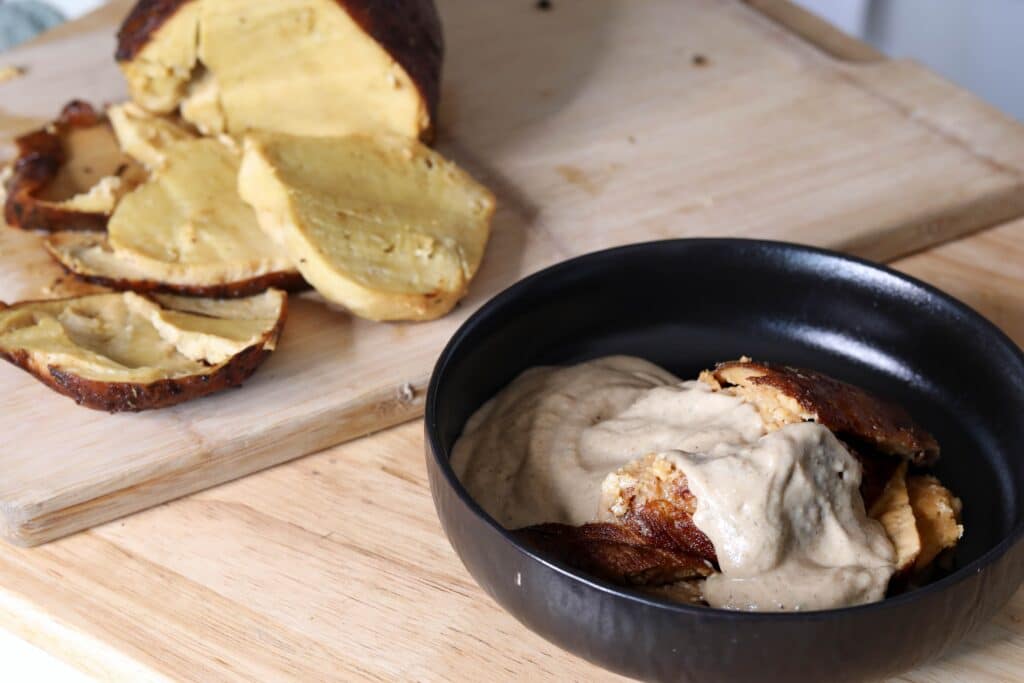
(144, 136)
(894, 512)
(650, 496)
(125, 352)
(158, 50)
(644, 536)
(784, 395)
(380, 224)
(185, 231)
(615, 553)
(69, 175)
(329, 67)
(937, 512)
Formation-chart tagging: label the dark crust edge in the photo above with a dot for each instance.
(142, 21)
(847, 410)
(116, 397)
(40, 156)
(289, 281)
(614, 552)
(408, 30)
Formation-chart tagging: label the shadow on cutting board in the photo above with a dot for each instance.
(508, 67)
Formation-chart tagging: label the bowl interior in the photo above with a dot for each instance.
(686, 304)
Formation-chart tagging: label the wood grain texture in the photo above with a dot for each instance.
(334, 567)
(607, 131)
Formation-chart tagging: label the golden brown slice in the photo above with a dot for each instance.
(379, 224)
(784, 395)
(185, 231)
(126, 352)
(313, 67)
(69, 175)
(894, 512)
(144, 136)
(937, 512)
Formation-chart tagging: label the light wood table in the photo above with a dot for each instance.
(334, 567)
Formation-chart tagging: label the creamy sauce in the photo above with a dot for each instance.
(521, 455)
(782, 509)
(788, 523)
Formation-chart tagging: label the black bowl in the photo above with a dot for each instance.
(685, 304)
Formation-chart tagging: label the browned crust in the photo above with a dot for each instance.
(615, 553)
(40, 156)
(654, 541)
(409, 30)
(876, 473)
(287, 281)
(847, 410)
(142, 21)
(116, 397)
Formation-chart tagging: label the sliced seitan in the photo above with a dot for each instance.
(125, 352)
(381, 224)
(937, 512)
(785, 394)
(184, 231)
(69, 175)
(144, 136)
(330, 67)
(894, 512)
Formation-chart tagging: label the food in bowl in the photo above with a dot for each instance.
(754, 487)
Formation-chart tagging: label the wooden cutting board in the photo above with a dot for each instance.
(597, 123)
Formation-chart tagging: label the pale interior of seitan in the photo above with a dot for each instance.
(893, 511)
(937, 512)
(380, 224)
(144, 136)
(95, 173)
(224, 61)
(776, 408)
(125, 337)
